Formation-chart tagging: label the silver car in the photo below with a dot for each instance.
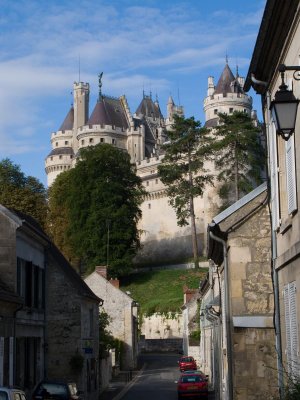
(11, 394)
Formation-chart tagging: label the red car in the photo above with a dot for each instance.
(187, 363)
(192, 384)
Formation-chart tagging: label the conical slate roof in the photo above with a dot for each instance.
(68, 123)
(147, 108)
(108, 111)
(227, 82)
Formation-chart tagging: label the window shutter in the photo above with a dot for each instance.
(274, 176)
(290, 175)
(287, 323)
(294, 330)
(292, 342)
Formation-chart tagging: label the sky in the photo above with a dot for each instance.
(164, 47)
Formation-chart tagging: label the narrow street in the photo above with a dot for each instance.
(156, 380)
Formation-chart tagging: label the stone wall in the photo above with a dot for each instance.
(160, 345)
(160, 326)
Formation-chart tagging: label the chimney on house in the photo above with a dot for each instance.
(102, 270)
(115, 282)
(188, 294)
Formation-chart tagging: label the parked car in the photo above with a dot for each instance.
(187, 363)
(192, 384)
(11, 393)
(55, 390)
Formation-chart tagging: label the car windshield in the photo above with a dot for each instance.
(3, 395)
(187, 359)
(53, 389)
(191, 379)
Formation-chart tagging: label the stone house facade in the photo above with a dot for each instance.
(123, 313)
(278, 42)
(190, 322)
(240, 247)
(45, 310)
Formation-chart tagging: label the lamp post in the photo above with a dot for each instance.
(284, 106)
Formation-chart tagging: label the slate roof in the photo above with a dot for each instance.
(61, 150)
(211, 123)
(227, 82)
(148, 108)
(68, 123)
(109, 111)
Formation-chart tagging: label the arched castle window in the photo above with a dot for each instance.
(91, 140)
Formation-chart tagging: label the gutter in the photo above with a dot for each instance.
(227, 316)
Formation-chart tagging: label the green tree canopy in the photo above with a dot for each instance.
(21, 192)
(182, 169)
(99, 201)
(240, 157)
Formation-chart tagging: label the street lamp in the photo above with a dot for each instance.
(284, 106)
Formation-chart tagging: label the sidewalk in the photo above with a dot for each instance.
(119, 385)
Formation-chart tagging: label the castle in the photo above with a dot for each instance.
(141, 134)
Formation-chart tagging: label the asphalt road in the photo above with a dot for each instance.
(156, 381)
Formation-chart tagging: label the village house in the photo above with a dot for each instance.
(48, 314)
(274, 74)
(190, 322)
(239, 244)
(122, 311)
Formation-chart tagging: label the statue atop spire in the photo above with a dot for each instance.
(100, 86)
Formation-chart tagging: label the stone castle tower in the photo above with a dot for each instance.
(141, 134)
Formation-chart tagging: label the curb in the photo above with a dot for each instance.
(128, 386)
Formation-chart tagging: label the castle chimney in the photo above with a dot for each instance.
(188, 294)
(102, 270)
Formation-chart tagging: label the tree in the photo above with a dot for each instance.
(99, 199)
(239, 157)
(182, 170)
(21, 192)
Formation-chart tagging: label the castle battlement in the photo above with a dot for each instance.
(55, 135)
(227, 97)
(149, 161)
(88, 129)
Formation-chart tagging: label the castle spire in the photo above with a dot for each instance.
(100, 86)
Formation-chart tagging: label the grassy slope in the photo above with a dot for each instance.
(161, 290)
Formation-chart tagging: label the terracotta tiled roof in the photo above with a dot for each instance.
(108, 111)
(68, 123)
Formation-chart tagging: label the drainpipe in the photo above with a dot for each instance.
(275, 275)
(227, 316)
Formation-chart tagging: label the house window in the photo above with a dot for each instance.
(215, 111)
(91, 318)
(71, 156)
(230, 110)
(290, 175)
(91, 140)
(102, 140)
(56, 144)
(291, 326)
(30, 283)
(113, 141)
(82, 142)
(66, 142)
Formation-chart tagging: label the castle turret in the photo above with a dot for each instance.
(81, 93)
(226, 97)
